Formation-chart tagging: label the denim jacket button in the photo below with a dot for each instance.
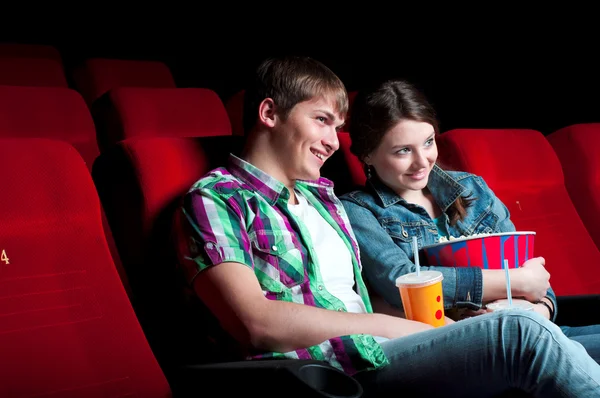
(404, 233)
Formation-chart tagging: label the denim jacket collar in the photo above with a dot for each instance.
(446, 189)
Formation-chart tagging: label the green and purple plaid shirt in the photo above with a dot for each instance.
(240, 214)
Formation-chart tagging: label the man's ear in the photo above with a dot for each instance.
(266, 112)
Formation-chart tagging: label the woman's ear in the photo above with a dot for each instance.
(266, 112)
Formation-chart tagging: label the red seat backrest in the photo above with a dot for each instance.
(48, 112)
(520, 166)
(577, 148)
(23, 50)
(26, 71)
(235, 111)
(128, 112)
(140, 182)
(55, 113)
(96, 76)
(344, 168)
(67, 327)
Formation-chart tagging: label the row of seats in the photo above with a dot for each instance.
(60, 113)
(123, 113)
(42, 66)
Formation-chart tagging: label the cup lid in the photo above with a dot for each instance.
(425, 278)
(503, 305)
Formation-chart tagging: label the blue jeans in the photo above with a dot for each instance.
(486, 356)
(588, 336)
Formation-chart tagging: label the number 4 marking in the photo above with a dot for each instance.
(4, 257)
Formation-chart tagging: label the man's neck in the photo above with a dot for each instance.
(260, 159)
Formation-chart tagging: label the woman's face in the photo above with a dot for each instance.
(405, 156)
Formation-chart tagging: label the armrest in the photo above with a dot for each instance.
(578, 310)
(290, 377)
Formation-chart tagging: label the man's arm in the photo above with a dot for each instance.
(232, 292)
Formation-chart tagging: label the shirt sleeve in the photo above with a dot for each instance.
(383, 261)
(210, 230)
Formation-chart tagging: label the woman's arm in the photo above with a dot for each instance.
(384, 261)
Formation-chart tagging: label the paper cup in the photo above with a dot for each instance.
(422, 297)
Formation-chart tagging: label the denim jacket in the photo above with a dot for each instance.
(384, 225)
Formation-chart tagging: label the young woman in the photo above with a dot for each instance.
(393, 129)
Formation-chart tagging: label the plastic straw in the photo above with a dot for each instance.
(508, 293)
(416, 255)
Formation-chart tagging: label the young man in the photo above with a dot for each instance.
(270, 252)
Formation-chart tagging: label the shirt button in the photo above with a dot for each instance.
(320, 287)
(340, 309)
(274, 248)
(339, 212)
(210, 245)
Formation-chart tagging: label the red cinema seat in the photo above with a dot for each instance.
(235, 110)
(344, 168)
(67, 328)
(25, 50)
(96, 76)
(577, 149)
(48, 112)
(55, 113)
(522, 169)
(26, 71)
(140, 181)
(128, 112)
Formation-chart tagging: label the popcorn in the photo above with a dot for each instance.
(444, 239)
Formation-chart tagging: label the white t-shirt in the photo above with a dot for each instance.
(334, 259)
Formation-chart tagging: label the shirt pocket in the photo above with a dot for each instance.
(402, 233)
(485, 224)
(278, 263)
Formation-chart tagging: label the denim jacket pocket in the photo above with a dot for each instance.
(486, 225)
(278, 259)
(403, 232)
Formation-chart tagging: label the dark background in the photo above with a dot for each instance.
(495, 68)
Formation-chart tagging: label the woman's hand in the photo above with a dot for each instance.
(532, 280)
